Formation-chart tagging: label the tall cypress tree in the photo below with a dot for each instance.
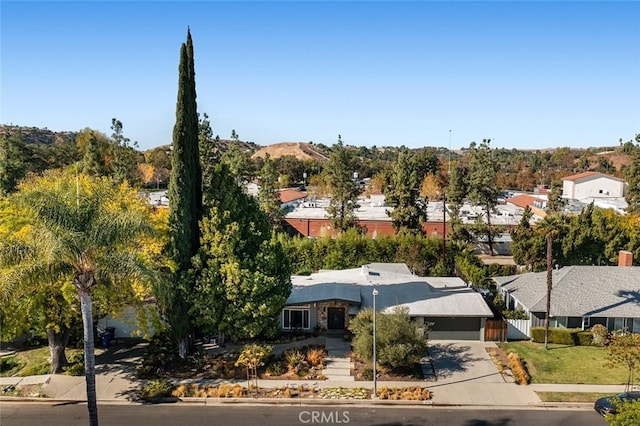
(185, 200)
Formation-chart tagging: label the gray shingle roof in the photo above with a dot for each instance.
(599, 291)
(425, 296)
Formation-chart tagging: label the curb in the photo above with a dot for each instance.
(303, 402)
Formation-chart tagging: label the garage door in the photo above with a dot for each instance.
(454, 328)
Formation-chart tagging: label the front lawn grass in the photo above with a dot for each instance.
(30, 362)
(566, 364)
(571, 396)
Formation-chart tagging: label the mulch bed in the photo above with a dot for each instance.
(362, 372)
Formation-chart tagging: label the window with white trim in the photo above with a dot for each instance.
(295, 318)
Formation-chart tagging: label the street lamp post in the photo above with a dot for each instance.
(375, 373)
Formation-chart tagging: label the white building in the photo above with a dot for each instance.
(592, 185)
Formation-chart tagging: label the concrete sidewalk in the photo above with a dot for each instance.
(465, 376)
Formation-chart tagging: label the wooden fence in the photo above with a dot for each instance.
(495, 331)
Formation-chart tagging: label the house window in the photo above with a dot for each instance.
(295, 318)
(619, 323)
(586, 322)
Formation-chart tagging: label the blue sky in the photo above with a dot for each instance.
(526, 74)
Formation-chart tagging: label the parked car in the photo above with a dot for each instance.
(607, 404)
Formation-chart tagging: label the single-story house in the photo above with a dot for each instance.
(329, 299)
(581, 296)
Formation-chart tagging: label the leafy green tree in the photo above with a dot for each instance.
(93, 158)
(582, 245)
(244, 273)
(269, 194)
(525, 244)
(627, 414)
(237, 160)
(123, 156)
(403, 194)
(13, 162)
(185, 203)
(632, 176)
(555, 202)
(624, 349)
(343, 189)
(207, 147)
(483, 189)
(456, 193)
(400, 342)
(82, 230)
(252, 357)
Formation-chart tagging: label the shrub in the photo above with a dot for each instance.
(160, 355)
(415, 393)
(294, 358)
(367, 373)
(517, 367)
(8, 364)
(75, 366)
(599, 334)
(562, 336)
(156, 389)
(275, 368)
(36, 369)
(315, 357)
(399, 341)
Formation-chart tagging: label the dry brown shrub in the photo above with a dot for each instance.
(315, 357)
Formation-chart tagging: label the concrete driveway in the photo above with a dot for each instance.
(459, 361)
(466, 375)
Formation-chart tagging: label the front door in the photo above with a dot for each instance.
(335, 318)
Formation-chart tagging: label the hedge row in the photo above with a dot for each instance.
(563, 336)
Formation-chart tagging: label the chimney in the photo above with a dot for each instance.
(625, 258)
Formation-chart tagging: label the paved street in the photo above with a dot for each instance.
(27, 414)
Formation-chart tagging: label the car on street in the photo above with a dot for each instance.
(607, 404)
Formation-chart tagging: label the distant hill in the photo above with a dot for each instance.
(38, 135)
(303, 151)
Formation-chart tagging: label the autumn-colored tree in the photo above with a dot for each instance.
(624, 349)
(82, 230)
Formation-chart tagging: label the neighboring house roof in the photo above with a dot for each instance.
(524, 200)
(598, 291)
(288, 195)
(424, 296)
(589, 175)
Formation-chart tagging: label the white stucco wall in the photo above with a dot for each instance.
(126, 323)
(596, 186)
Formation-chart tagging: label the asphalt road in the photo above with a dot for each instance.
(18, 414)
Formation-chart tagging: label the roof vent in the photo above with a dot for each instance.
(365, 270)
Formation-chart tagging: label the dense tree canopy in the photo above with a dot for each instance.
(343, 188)
(66, 235)
(185, 202)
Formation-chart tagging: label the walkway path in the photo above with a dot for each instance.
(338, 362)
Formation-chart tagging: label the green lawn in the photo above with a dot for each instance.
(30, 362)
(570, 396)
(566, 364)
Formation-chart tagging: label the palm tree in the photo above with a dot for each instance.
(551, 227)
(87, 229)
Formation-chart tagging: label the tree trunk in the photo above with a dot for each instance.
(183, 347)
(549, 285)
(89, 356)
(57, 345)
(489, 233)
